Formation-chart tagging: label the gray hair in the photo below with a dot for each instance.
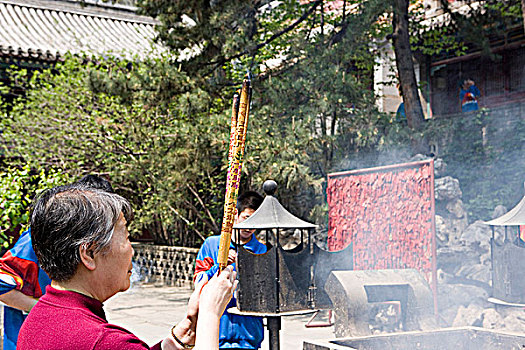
(66, 218)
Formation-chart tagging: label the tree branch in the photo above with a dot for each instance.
(204, 207)
(270, 39)
(186, 221)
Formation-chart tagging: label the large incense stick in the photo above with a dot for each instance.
(237, 143)
(233, 130)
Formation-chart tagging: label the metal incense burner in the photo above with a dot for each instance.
(508, 275)
(283, 282)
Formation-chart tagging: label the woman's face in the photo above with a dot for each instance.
(115, 264)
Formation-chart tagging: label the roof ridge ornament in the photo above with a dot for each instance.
(269, 187)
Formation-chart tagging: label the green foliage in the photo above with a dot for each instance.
(162, 151)
(466, 30)
(483, 150)
(160, 127)
(17, 188)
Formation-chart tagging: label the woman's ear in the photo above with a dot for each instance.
(87, 256)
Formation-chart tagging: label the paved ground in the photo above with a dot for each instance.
(150, 312)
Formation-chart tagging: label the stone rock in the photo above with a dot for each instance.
(448, 231)
(498, 211)
(512, 311)
(499, 234)
(441, 230)
(499, 231)
(451, 258)
(418, 157)
(486, 259)
(457, 208)
(450, 295)
(477, 235)
(456, 230)
(440, 167)
(443, 277)
(447, 316)
(492, 319)
(471, 315)
(452, 221)
(515, 321)
(478, 272)
(447, 188)
(320, 238)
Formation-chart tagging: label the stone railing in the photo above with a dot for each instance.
(165, 265)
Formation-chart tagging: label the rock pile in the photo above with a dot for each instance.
(464, 263)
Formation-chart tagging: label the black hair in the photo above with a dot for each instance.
(97, 182)
(249, 199)
(67, 217)
(462, 81)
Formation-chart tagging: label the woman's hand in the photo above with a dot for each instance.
(193, 303)
(186, 329)
(205, 308)
(214, 298)
(217, 293)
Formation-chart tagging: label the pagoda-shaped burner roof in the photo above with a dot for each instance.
(271, 214)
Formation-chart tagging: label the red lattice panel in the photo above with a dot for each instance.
(388, 214)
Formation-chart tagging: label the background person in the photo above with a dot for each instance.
(401, 116)
(22, 281)
(468, 95)
(236, 331)
(81, 239)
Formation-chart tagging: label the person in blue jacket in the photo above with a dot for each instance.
(236, 331)
(468, 95)
(22, 281)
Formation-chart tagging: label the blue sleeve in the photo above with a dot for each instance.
(206, 258)
(475, 91)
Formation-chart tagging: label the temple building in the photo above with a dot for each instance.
(37, 33)
(44, 30)
(498, 70)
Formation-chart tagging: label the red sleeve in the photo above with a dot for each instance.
(115, 337)
(203, 265)
(20, 274)
(156, 346)
(19, 268)
(205, 261)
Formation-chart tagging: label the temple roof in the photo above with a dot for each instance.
(48, 29)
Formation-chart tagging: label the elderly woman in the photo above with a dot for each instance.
(81, 239)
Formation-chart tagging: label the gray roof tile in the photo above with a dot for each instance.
(48, 29)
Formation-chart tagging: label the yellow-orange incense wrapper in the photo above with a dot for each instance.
(233, 129)
(234, 172)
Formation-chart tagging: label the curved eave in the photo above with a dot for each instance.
(514, 217)
(45, 30)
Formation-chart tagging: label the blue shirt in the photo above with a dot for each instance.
(468, 99)
(236, 331)
(20, 270)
